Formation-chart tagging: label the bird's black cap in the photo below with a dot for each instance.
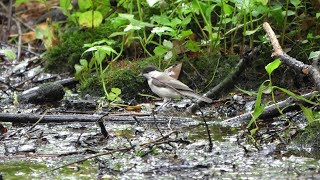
(149, 69)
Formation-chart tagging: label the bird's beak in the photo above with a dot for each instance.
(140, 74)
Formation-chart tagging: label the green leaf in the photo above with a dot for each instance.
(100, 56)
(18, 2)
(307, 113)
(116, 91)
(248, 33)
(85, 19)
(84, 62)
(161, 30)
(227, 9)
(175, 22)
(114, 94)
(160, 50)
(272, 66)
(8, 53)
(84, 4)
(295, 95)
(65, 6)
(167, 44)
(258, 108)
(184, 34)
(250, 93)
(314, 55)
(117, 34)
(78, 69)
(317, 15)
(263, 2)
(152, 2)
(295, 2)
(126, 16)
(131, 27)
(168, 55)
(162, 20)
(193, 46)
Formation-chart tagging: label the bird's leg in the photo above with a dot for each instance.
(166, 101)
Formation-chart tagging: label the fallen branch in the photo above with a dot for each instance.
(227, 82)
(32, 118)
(299, 66)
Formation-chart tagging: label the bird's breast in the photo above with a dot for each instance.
(164, 92)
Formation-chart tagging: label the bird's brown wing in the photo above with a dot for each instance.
(167, 81)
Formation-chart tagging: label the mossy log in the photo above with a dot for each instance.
(48, 92)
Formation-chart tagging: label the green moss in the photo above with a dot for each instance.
(21, 170)
(62, 58)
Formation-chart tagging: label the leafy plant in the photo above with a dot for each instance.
(8, 53)
(100, 50)
(259, 107)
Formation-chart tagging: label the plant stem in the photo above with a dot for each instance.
(284, 24)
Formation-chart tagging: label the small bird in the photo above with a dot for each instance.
(168, 87)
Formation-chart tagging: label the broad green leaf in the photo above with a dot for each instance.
(116, 91)
(193, 46)
(78, 68)
(272, 66)
(84, 5)
(175, 22)
(126, 16)
(186, 21)
(160, 50)
(107, 49)
(184, 34)
(160, 30)
(317, 15)
(8, 53)
(167, 44)
(131, 27)
(65, 6)
(114, 95)
(168, 55)
(295, 2)
(227, 9)
(85, 19)
(152, 2)
(289, 13)
(263, 2)
(100, 56)
(163, 20)
(314, 55)
(84, 62)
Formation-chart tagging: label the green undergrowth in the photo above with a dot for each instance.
(62, 58)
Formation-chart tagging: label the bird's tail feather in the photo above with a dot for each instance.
(196, 96)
